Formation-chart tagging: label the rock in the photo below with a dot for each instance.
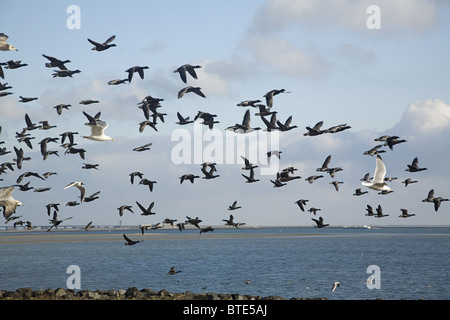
(38, 294)
(211, 296)
(111, 294)
(131, 293)
(225, 296)
(187, 295)
(87, 294)
(25, 293)
(60, 292)
(48, 294)
(121, 293)
(237, 296)
(164, 293)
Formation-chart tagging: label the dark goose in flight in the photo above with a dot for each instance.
(103, 46)
(196, 90)
(319, 222)
(55, 63)
(189, 68)
(414, 166)
(138, 69)
(130, 242)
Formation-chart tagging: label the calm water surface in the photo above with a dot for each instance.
(413, 262)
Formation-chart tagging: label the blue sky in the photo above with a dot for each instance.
(387, 81)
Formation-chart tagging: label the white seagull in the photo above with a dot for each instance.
(97, 128)
(336, 284)
(4, 46)
(80, 186)
(7, 201)
(377, 182)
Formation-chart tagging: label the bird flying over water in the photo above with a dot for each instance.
(97, 128)
(143, 148)
(409, 181)
(336, 284)
(414, 166)
(194, 221)
(146, 211)
(314, 131)
(324, 167)
(138, 69)
(4, 46)
(378, 182)
(7, 202)
(319, 223)
(301, 203)
(380, 213)
(55, 222)
(148, 183)
(64, 73)
(173, 271)
(123, 208)
(196, 90)
(189, 68)
(188, 176)
(245, 126)
(269, 96)
(130, 242)
(80, 186)
(56, 63)
(103, 46)
(206, 229)
(358, 192)
(89, 226)
(250, 178)
(182, 120)
(234, 206)
(405, 214)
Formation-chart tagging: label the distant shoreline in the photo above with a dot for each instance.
(9, 237)
(6, 228)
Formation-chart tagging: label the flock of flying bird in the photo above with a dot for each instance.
(152, 115)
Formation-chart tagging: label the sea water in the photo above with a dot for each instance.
(410, 263)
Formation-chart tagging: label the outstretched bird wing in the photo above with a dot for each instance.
(380, 171)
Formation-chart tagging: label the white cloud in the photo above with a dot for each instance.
(285, 57)
(210, 80)
(10, 109)
(425, 117)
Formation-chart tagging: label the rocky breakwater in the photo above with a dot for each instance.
(132, 293)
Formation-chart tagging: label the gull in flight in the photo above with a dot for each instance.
(377, 182)
(7, 201)
(80, 186)
(6, 46)
(336, 284)
(97, 128)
